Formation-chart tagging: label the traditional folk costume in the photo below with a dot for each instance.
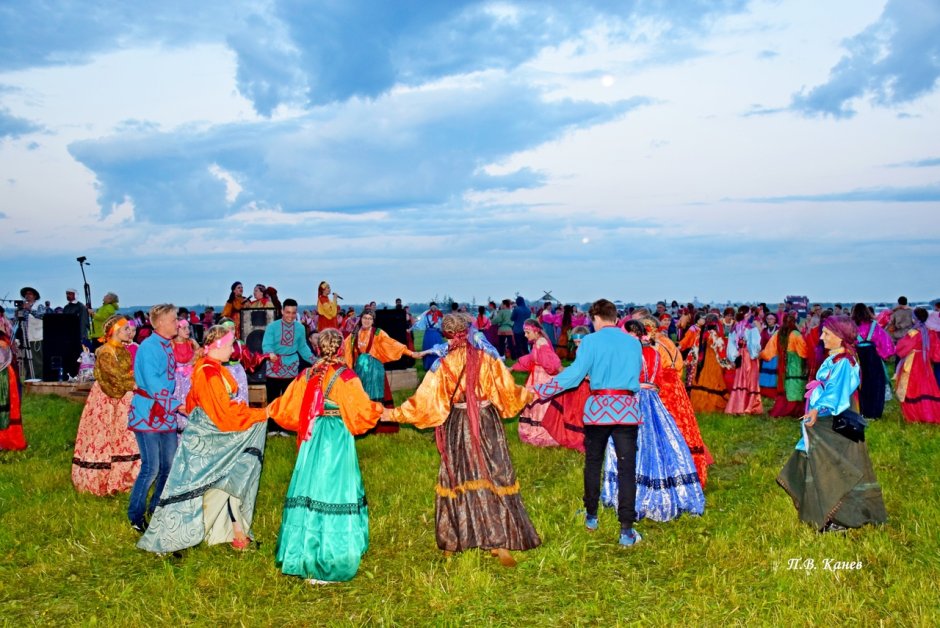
(327, 313)
(674, 396)
(233, 311)
(11, 421)
(325, 523)
(613, 360)
(667, 483)
(106, 459)
(153, 419)
(430, 322)
(542, 363)
(688, 346)
(289, 342)
(791, 374)
(477, 494)
(914, 380)
(832, 481)
(366, 353)
(214, 479)
(185, 354)
(564, 416)
(768, 368)
(709, 391)
(744, 343)
(874, 347)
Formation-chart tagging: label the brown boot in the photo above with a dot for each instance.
(505, 558)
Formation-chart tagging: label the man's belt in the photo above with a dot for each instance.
(613, 391)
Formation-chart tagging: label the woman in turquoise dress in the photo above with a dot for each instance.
(325, 522)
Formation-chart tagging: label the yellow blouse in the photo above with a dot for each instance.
(431, 403)
(114, 370)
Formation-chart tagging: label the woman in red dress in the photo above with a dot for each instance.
(11, 421)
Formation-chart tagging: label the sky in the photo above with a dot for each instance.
(636, 150)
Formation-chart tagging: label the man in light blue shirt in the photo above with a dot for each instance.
(613, 361)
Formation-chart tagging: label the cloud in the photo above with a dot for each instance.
(917, 163)
(914, 194)
(410, 148)
(14, 127)
(892, 62)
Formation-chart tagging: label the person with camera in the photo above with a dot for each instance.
(29, 314)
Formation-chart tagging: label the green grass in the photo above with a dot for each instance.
(68, 558)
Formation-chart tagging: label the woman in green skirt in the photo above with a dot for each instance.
(325, 523)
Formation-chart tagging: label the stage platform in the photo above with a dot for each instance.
(398, 380)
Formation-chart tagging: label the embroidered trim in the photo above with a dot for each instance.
(326, 508)
(254, 451)
(710, 391)
(670, 482)
(85, 464)
(476, 485)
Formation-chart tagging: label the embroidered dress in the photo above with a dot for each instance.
(214, 479)
(667, 483)
(709, 391)
(325, 523)
(745, 394)
(833, 480)
(367, 354)
(791, 374)
(914, 380)
(564, 416)
(674, 396)
(11, 421)
(106, 459)
(477, 494)
(874, 347)
(541, 363)
(327, 313)
(185, 354)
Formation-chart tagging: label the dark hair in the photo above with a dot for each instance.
(604, 310)
(920, 313)
(787, 327)
(290, 303)
(635, 327)
(861, 313)
(231, 294)
(902, 300)
(729, 311)
(507, 302)
(481, 310)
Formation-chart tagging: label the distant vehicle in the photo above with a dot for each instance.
(798, 304)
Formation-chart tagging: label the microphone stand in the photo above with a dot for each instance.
(82, 263)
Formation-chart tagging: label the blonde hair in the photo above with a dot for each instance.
(453, 324)
(330, 342)
(111, 322)
(215, 332)
(160, 310)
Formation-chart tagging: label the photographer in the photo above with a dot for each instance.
(29, 313)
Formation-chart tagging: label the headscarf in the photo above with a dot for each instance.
(114, 323)
(844, 327)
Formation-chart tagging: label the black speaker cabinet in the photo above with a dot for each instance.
(394, 323)
(61, 346)
(253, 322)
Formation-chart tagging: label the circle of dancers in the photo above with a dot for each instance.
(168, 420)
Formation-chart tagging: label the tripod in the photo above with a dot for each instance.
(27, 369)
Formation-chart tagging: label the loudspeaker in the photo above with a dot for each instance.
(394, 323)
(253, 323)
(61, 346)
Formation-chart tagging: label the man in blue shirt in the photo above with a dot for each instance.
(613, 361)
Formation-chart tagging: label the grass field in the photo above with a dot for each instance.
(70, 559)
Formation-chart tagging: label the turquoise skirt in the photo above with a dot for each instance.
(371, 373)
(325, 523)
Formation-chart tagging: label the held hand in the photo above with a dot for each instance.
(273, 357)
(811, 417)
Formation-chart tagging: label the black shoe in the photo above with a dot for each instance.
(139, 527)
(832, 526)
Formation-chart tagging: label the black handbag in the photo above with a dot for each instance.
(851, 425)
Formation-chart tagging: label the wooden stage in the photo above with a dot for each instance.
(398, 380)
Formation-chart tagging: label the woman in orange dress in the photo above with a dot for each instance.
(327, 309)
(106, 459)
(709, 389)
(233, 307)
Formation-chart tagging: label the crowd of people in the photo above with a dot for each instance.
(168, 418)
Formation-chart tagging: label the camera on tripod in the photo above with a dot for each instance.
(18, 304)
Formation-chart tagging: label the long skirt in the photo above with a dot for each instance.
(212, 484)
(11, 421)
(478, 502)
(745, 393)
(106, 459)
(871, 392)
(531, 430)
(374, 380)
(677, 402)
(241, 378)
(834, 481)
(325, 522)
(667, 483)
(918, 391)
(709, 392)
(768, 378)
(432, 337)
(564, 418)
(184, 381)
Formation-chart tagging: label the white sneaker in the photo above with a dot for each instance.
(315, 582)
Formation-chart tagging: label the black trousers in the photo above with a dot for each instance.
(274, 387)
(595, 442)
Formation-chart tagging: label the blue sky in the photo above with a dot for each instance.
(725, 150)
